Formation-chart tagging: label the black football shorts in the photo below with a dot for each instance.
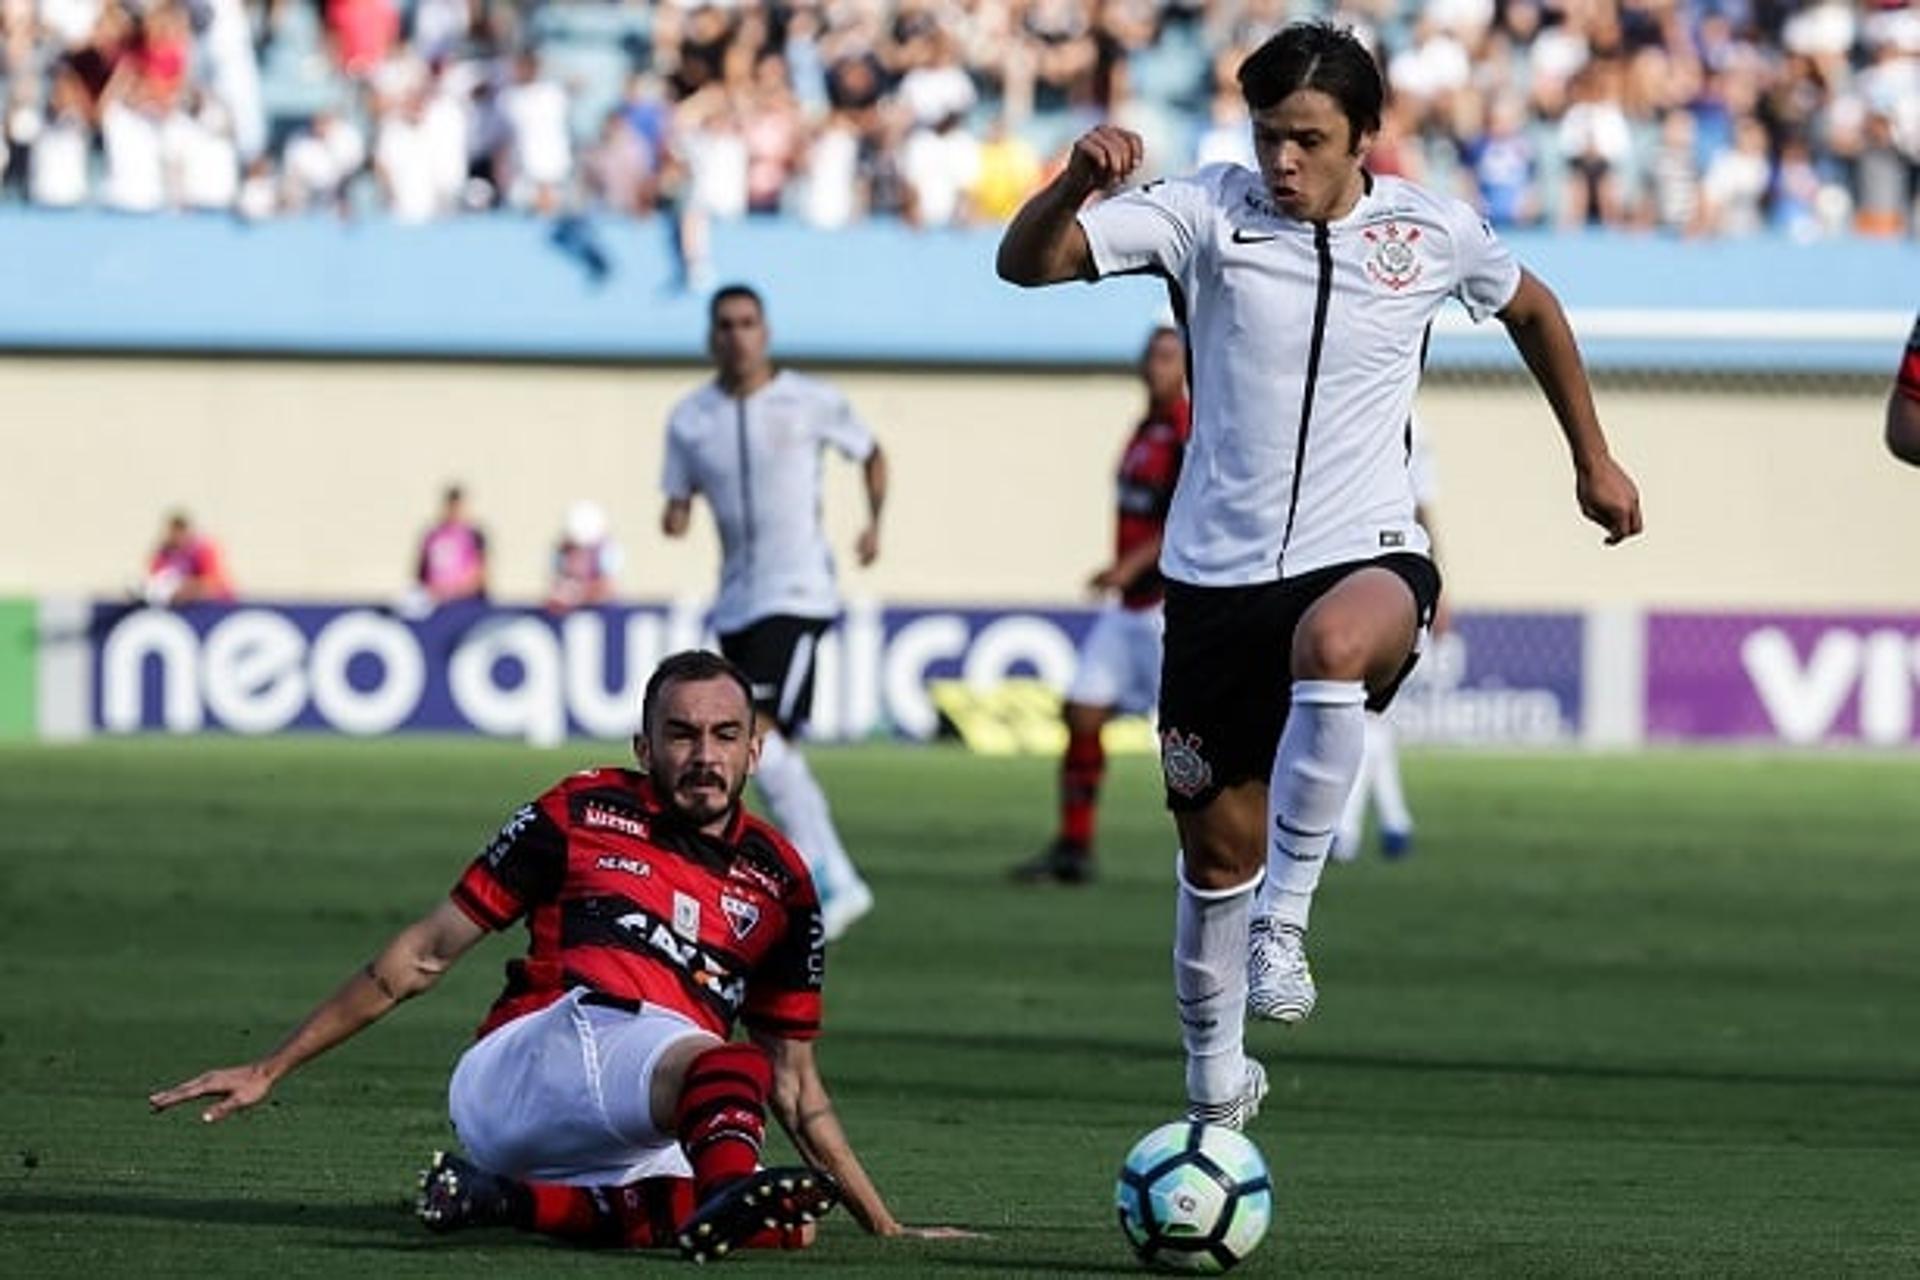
(1226, 681)
(777, 654)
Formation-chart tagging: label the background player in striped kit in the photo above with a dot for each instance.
(1903, 404)
(1119, 664)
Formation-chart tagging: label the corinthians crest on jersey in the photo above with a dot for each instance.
(1394, 260)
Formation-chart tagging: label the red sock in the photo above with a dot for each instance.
(722, 1115)
(638, 1215)
(1080, 775)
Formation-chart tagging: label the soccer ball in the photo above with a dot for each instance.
(1194, 1197)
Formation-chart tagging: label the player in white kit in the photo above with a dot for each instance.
(750, 442)
(1298, 580)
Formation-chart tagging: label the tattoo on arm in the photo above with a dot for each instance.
(386, 988)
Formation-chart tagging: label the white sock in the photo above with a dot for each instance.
(1383, 767)
(1353, 814)
(1210, 982)
(799, 808)
(1319, 757)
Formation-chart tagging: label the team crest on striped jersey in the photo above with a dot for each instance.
(742, 916)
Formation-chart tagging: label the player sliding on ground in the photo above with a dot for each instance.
(603, 1101)
(1298, 580)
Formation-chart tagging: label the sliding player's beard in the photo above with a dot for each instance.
(700, 793)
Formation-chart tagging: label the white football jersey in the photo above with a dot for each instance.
(1306, 342)
(757, 461)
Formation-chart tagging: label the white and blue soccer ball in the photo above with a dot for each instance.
(1194, 1197)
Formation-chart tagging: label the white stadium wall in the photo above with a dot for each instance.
(317, 478)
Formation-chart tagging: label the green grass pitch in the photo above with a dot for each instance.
(1654, 1015)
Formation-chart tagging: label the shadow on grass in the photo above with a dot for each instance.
(1052, 1045)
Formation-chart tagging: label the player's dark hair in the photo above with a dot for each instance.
(726, 292)
(1317, 55)
(691, 665)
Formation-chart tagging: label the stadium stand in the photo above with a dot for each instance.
(1693, 117)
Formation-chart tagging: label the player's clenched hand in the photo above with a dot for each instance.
(1609, 498)
(1103, 156)
(867, 548)
(237, 1088)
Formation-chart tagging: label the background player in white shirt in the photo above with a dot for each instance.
(750, 441)
(1297, 580)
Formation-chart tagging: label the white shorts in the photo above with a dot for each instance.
(562, 1095)
(1120, 660)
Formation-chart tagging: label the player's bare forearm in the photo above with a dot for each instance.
(1903, 426)
(1045, 244)
(801, 1104)
(1539, 329)
(675, 518)
(875, 472)
(1129, 568)
(413, 961)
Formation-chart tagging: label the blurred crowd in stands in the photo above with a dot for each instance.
(1721, 117)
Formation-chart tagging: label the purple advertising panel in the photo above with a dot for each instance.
(1789, 678)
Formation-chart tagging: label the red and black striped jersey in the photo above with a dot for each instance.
(1149, 470)
(1910, 364)
(623, 896)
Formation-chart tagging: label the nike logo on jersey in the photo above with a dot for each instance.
(1241, 236)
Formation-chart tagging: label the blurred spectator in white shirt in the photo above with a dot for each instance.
(539, 148)
(57, 174)
(320, 160)
(130, 123)
(829, 187)
(403, 161)
(1595, 142)
(202, 164)
(941, 164)
(585, 562)
(1735, 187)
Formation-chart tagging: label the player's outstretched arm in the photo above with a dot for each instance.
(801, 1104)
(1044, 244)
(1539, 329)
(409, 964)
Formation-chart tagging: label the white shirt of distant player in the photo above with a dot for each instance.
(940, 167)
(758, 463)
(536, 116)
(136, 163)
(1249, 278)
(57, 166)
(403, 153)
